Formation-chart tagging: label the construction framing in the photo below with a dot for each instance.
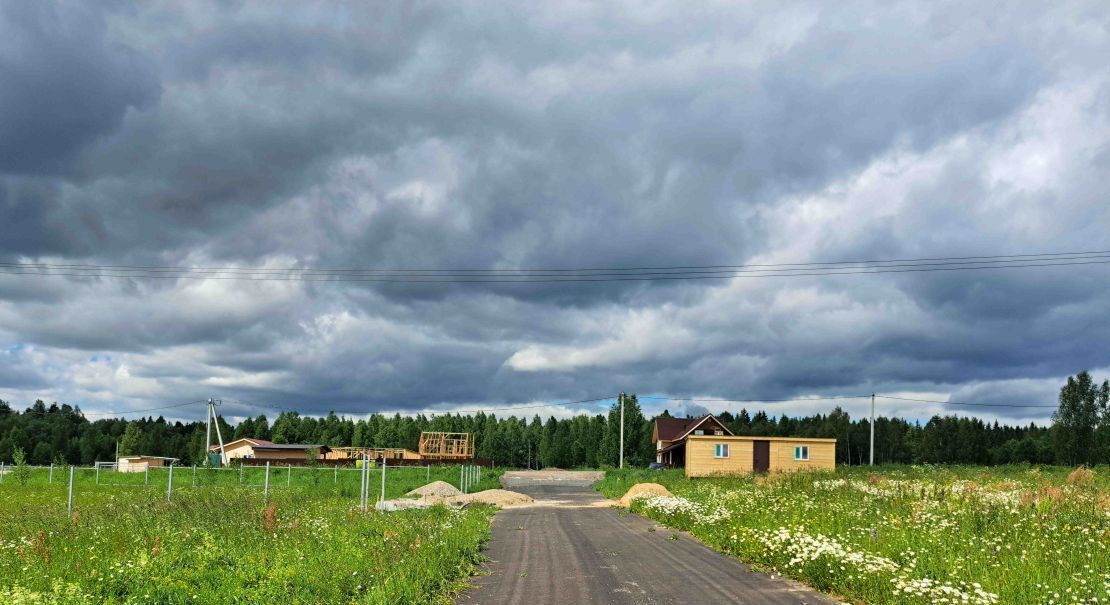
(446, 446)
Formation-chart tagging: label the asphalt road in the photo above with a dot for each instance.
(572, 548)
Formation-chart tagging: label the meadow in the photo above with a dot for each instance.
(905, 535)
(220, 541)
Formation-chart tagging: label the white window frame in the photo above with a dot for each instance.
(699, 431)
(801, 453)
(720, 450)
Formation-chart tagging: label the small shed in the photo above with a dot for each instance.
(139, 464)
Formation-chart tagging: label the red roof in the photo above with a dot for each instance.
(670, 429)
(252, 440)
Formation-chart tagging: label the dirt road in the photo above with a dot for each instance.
(570, 547)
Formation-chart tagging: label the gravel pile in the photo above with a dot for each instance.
(496, 497)
(643, 490)
(435, 489)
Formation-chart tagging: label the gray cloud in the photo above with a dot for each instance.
(567, 136)
(65, 84)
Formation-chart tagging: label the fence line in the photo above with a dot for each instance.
(108, 476)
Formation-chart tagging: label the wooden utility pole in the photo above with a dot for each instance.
(621, 398)
(872, 429)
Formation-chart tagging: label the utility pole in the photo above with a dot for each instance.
(621, 398)
(872, 429)
(209, 419)
(207, 432)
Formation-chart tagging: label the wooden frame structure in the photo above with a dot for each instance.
(373, 453)
(446, 446)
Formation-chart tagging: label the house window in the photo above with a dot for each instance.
(699, 432)
(721, 450)
(718, 432)
(801, 452)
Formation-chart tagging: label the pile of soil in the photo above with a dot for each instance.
(435, 489)
(643, 490)
(497, 497)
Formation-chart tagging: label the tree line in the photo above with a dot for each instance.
(1079, 434)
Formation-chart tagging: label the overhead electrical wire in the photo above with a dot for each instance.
(1016, 257)
(868, 396)
(74, 411)
(493, 276)
(559, 404)
(484, 410)
(963, 403)
(697, 400)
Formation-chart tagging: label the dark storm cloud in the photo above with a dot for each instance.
(317, 135)
(65, 84)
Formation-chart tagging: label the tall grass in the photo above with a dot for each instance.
(218, 542)
(892, 535)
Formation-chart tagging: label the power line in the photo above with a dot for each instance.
(493, 276)
(425, 411)
(76, 412)
(629, 278)
(985, 258)
(754, 400)
(961, 403)
(834, 397)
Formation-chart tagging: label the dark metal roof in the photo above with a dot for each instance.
(670, 429)
(291, 446)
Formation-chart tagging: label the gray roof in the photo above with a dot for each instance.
(290, 446)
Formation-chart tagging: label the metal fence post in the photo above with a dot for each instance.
(146, 479)
(97, 465)
(169, 488)
(51, 480)
(383, 480)
(289, 476)
(1, 472)
(462, 476)
(479, 474)
(429, 477)
(335, 479)
(194, 475)
(240, 473)
(266, 487)
(362, 485)
(69, 508)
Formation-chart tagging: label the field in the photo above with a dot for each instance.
(892, 535)
(218, 542)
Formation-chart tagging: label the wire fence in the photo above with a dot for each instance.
(369, 482)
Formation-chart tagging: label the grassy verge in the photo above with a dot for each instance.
(322, 481)
(895, 535)
(221, 544)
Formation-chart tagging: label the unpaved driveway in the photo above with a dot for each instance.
(570, 547)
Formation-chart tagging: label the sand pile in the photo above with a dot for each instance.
(496, 497)
(643, 490)
(435, 489)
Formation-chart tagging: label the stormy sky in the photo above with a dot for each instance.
(551, 135)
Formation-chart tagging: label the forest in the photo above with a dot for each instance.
(1079, 434)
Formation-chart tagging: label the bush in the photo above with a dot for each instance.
(21, 470)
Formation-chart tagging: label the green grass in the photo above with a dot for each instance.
(218, 542)
(894, 535)
(343, 482)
